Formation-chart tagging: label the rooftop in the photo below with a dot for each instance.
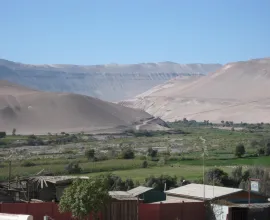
(197, 191)
(121, 195)
(55, 179)
(139, 190)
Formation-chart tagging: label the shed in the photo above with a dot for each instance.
(208, 192)
(48, 188)
(147, 194)
(123, 206)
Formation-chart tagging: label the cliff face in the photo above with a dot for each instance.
(111, 82)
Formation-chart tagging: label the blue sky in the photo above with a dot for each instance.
(134, 31)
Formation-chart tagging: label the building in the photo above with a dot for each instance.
(147, 194)
(200, 192)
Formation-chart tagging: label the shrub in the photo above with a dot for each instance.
(28, 163)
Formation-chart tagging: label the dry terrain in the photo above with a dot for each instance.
(111, 82)
(236, 92)
(35, 112)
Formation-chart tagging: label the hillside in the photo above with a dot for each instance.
(236, 92)
(112, 82)
(33, 111)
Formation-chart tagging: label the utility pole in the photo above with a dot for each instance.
(9, 173)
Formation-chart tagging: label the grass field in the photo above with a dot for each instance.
(181, 151)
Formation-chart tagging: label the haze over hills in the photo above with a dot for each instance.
(37, 112)
(112, 82)
(236, 92)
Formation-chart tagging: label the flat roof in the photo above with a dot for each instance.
(121, 195)
(139, 190)
(201, 191)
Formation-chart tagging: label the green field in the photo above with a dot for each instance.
(182, 152)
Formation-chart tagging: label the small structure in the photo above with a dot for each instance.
(147, 194)
(122, 206)
(202, 192)
(48, 188)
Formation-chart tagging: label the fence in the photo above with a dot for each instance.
(172, 211)
(177, 211)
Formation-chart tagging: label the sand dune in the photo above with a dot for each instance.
(32, 111)
(237, 92)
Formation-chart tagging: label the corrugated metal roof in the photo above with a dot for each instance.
(55, 179)
(139, 190)
(121, 195)
(174, 199)
(197, 191)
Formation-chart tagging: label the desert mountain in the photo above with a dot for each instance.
(110, 82)
(236, 92)
(33, 111)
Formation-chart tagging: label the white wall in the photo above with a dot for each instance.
(220, 211)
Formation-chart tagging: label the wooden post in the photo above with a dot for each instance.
(9, 173)
(138, 207)
(249, 189)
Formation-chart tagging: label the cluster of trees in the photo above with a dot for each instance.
(227, 123)
(33, 140)
(263, 149)
(239, 178)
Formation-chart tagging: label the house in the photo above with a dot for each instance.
(147, 194)
(202, 192)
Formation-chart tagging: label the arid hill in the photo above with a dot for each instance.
(36, 112)
(237, 92)
(111, 82)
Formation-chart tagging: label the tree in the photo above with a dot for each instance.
(240, 150)
(73, 168)
(90, 154)
(83, 197)
(152, 152)
(14, 131)
(128, 153)
(216, 176)
(237, 175)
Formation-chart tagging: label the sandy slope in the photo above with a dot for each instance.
(221, 95)
(32, 111)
